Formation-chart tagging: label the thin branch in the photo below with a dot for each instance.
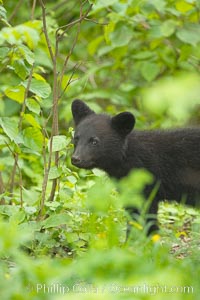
(76, 67)
(45, 179)
(12, 180)
(16, 166)
(67, 26)
(56, 89)
(68, 56)
(82, 17)
(55, 127)
(33, 9)
(2, 189)
(96, 22)
(47, 166)
(45, 31)
(54, 113)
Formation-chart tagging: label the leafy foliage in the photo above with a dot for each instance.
(63, 230)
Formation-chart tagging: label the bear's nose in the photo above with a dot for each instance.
(75, 160)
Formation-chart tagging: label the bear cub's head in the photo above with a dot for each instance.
(99, 140)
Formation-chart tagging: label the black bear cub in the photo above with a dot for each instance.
(108, 143)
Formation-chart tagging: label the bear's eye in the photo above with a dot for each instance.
(94, 141)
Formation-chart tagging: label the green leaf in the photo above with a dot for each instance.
(17, 218)
(39, 88)
(121, 36)
(94, 45)
(4, 52)
(33, 138)
(144, 55)
(59, 142)
(56, 220)
(183, 6)
(3, 17)
(28, 34)
(8, 210)
(189, 34)
(72, 179)
(155, 31)
(127, 87)
(102, 4)
(159, 5)
(2, 12)
(31, 120)
(4, 140)
(20, 68)
(168, 27)
(98, 172)
(53, 205)
(16, 93)
(27, 54)
(38, 77)
(108, 29)
(149, 70)
(54, 172)
(10, 127)
(33, 105)
(72, 237)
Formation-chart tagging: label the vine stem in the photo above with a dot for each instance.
(57, 94)
(54, 114)
(54, 131)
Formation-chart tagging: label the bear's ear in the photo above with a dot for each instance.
(80, 110)
(123, 123)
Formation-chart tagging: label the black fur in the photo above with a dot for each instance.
(108, 143)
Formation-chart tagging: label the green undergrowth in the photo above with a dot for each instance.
(79, 248)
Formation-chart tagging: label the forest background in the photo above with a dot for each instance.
(63, 229)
